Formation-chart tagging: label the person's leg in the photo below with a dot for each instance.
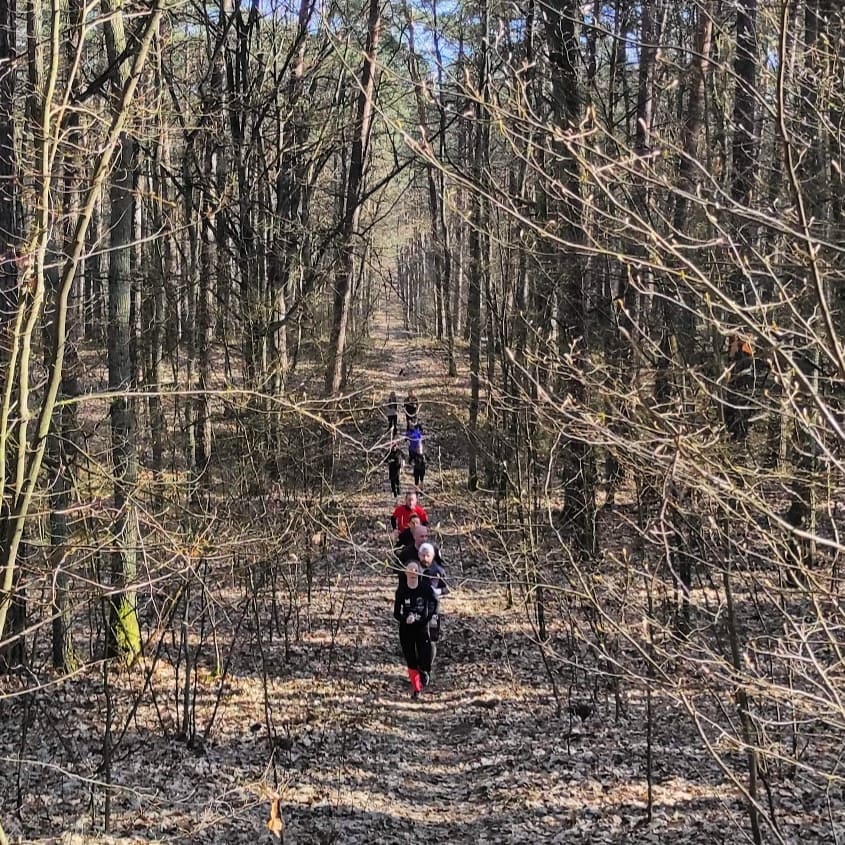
(423, 649)
(434, 635)
(408, 641)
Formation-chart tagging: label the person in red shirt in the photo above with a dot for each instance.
(402, 513)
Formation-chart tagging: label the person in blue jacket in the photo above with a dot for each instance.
(414, 436)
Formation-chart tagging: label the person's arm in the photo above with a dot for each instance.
(430, 605)
(397, 607)
(422, 514)
(444, 584)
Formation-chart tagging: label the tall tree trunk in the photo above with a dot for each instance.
(737, 411)
(124, 632)
(807, 173)
(208, 258)
(352, 204)
(62, 448)
(291, 242)
(124, 635)
(675, 319)
(743, 159)
(162, 262)
(448, 308)
(477, 266)
(10, 223)
(439, 245)
(11, 603)
(578, 468)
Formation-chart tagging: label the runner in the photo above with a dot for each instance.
(413, 607)
(434, 571)
(392, 414)
(419, 471)
(394, 461)
(409, 553)
(406, 538)
(401, 516)
(412, 406)
(414, 436)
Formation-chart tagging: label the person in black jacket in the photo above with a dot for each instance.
(394, 467)
(413, 607)
(392, 414)
(412, 406)
(406, 536)
(419, 471)
(434, 572)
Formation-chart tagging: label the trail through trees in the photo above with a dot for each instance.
(324, 720)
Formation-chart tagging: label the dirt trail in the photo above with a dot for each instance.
(386, 768)
(482, 757)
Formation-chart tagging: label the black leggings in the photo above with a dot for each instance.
(395, 483)
(416, 646)
(419, 471)
(392, 424)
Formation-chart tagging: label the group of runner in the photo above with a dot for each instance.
(422, 582)
(413, 436)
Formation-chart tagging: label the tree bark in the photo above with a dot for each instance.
(124, 635)
(477, 265)
(578, 466)
(352, 203)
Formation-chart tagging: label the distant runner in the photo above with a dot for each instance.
(394, 461)
(392, 414)
(412, 406)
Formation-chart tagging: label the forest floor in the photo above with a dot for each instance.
(484, 756)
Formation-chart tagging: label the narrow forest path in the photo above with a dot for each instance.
(455, 765)
(326, 721)
(482, 757)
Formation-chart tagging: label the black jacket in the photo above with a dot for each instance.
(405, 538)
(394, 462)
(421, 601)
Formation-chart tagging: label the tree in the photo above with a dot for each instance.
(352, 199)
(124, 633)
(578, 468)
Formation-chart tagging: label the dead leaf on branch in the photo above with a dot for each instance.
(276, 824)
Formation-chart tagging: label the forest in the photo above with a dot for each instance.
(603, 243)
